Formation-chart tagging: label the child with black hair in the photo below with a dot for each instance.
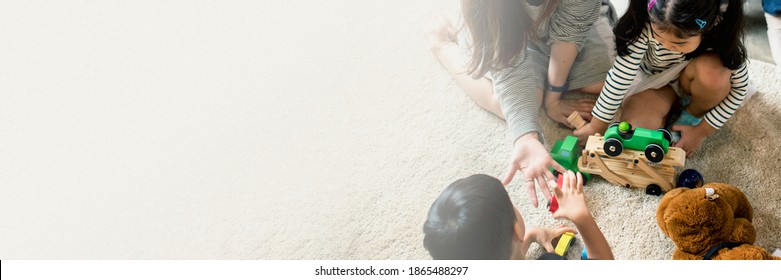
(474, 218)
(686, 52)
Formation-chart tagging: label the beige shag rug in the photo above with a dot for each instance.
(280, 130)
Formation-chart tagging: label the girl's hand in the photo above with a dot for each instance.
(532, 159)
(544, 236)
(559, 109)
(572, 201)
(591, 128)
(691, 137)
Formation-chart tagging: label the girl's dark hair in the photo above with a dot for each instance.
(722, 31)
(473, 219)
(499, 30)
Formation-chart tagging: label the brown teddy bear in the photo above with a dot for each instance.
(710, 222)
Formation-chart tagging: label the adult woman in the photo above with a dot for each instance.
(525, 54)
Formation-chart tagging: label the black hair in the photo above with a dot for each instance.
(472, 219)
(722, 27)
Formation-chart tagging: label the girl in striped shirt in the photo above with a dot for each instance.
(669, 51)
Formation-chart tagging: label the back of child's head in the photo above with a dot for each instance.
(473, 218)
(719, 22)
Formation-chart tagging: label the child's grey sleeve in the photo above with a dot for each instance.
(572, 20)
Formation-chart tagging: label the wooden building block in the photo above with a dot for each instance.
(575, 120)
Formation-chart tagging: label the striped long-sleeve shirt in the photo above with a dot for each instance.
(651, 57)
(516, 86)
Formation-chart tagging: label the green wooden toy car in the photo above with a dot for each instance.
(653, 142)
(567, 152)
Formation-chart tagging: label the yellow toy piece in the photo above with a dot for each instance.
(564, 242)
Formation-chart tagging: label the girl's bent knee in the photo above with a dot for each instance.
(711, 74)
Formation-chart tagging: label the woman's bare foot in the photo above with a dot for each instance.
(441, 39)
(439, 32)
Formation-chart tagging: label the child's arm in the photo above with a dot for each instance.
(563, 55)
(568, 35)
(572, 206)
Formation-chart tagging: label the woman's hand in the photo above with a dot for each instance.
(559, 109)
(532, 159)
(692, 136)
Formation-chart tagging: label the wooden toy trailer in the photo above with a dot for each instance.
(631, 168)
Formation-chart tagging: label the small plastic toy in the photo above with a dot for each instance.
(553, 205)
(563, 243)
(690, 178)
(654, 143)
(566, 153)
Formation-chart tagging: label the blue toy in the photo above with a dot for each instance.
(690, 178)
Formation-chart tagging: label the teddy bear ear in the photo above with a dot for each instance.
(741, 207)
(666, 199)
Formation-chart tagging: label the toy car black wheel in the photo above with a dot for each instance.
(690, 178)
(654, 153)
(555, 173)
(667, 134)
(653, 189)
(613, 147)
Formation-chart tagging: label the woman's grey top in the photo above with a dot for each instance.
(583, 22)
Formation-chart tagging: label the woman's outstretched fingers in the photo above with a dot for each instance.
(541, 180)
(532, 192)
(579, 185)
(510, 174)
(550, 176)
(557, 166)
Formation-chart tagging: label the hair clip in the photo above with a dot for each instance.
(651, 4)
(701, 23)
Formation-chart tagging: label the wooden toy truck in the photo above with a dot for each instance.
(630, 168)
